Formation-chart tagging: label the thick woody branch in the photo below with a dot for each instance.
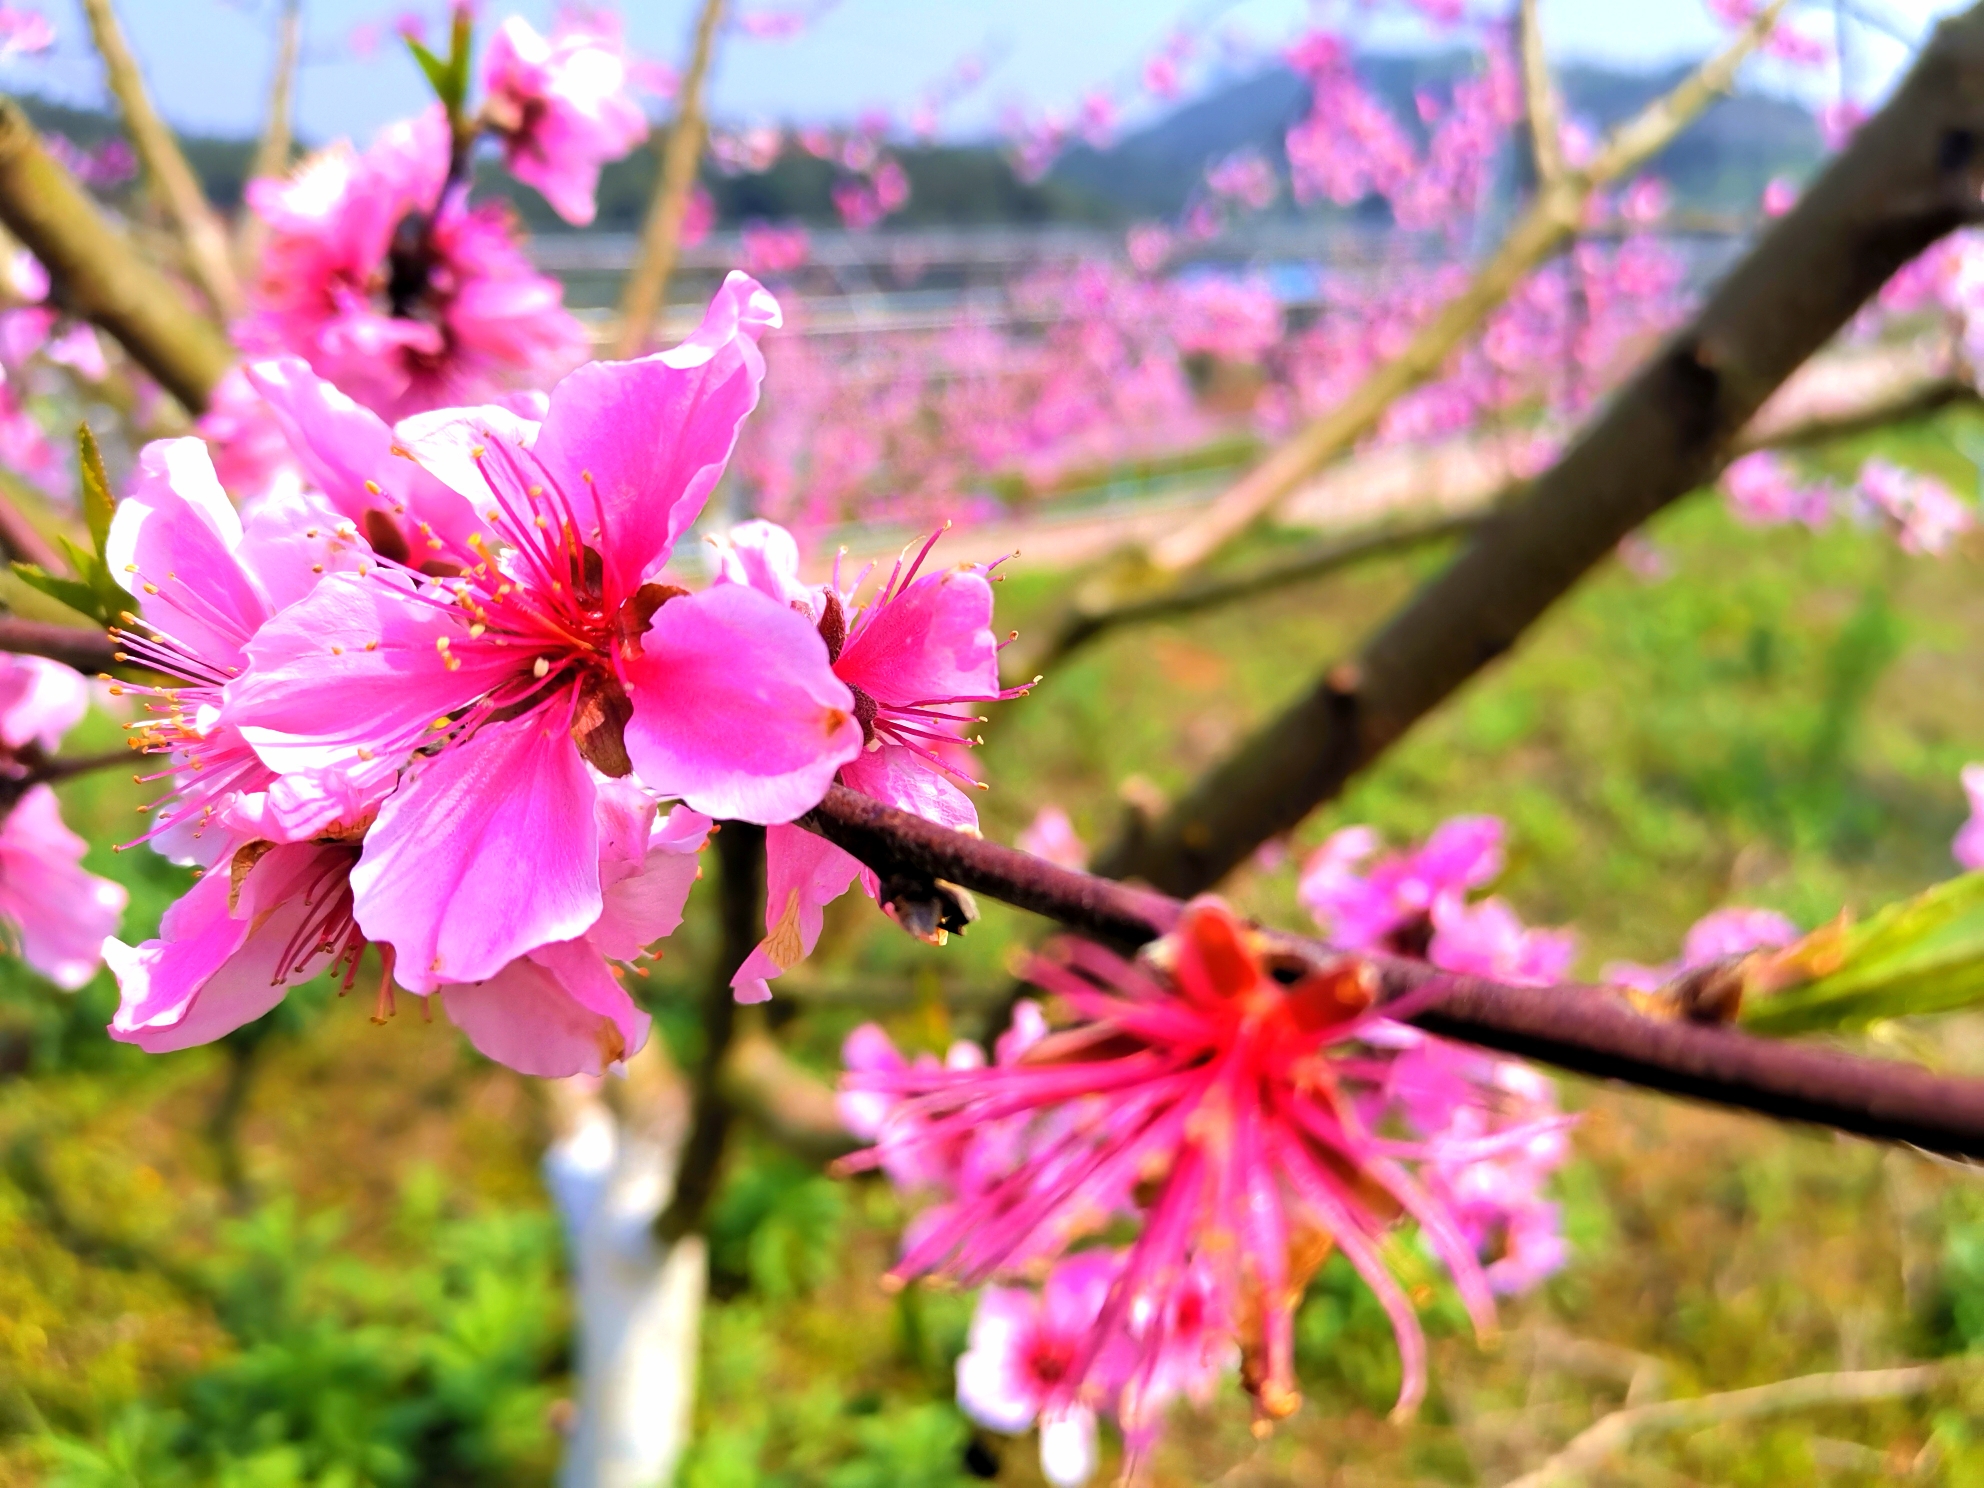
(89, 651)
(1551, 220)
(1460, 499)
(1587, 1030)
(165, 164)
(96, 273)
(1910, 176)
(661, 234)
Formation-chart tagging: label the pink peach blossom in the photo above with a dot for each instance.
(561, 108)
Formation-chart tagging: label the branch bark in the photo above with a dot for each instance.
(165, 164)
(1910, 176)
(97, 274)
(1592, 1448)
(740, 856)
(1587, 1030)
(661, 234)
(272, 154)
(1551, 220)
(88, 651)
(1539, 96)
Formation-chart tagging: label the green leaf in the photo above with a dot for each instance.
(1923, 955)
(441, 76)
(98, 502)
(77, 595)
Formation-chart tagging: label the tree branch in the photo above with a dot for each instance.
(661, 234)
(1539, 96)
(1611, 1435)
(97, 274)
(1909, 176)
(165, 164)
(1588, 1030)
(272, 154)
(1551, 220)
(795, 1108)
(88, 651)
(740, 856)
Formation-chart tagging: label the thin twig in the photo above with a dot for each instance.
(272, 154)
(1587, 1030)
(1592, 1448)
(1909, 176)
(95, 272)
(20, 538)
(165, 164)
(1553, 217)
(740, 856)
(661, 234)
(791, 1105)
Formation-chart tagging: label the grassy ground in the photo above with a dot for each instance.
(356, 1282)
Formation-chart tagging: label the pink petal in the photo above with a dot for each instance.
(353, 671)
(763, 556)
(804, 873)
(347, 452)
(934, 640)
(735, 708)
(643, 903)
(214, 970)
(557, 1012)
(906, 780)
(60, 913)
(172, 543)
(651, 436)
(488, 851)
(40, 700)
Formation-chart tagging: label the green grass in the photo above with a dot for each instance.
(1779, 722)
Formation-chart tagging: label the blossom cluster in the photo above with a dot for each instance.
(1922, 513)
(1241, 1112)
(433, 698)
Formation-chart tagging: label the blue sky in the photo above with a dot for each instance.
(208, 60)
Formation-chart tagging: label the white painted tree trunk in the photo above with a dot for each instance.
(611, 1172)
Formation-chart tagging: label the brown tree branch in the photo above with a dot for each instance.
(272, 154)
(165, 164)
(1459, 503)
(88, 651)
(1553, 217)
(1591, 1449)
(793, 1107)
(1587, 1030)
(1909, 176)
(97, 275)
(661, 234)
(740, 856)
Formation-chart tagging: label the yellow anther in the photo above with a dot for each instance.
(440, 723)
(372, 488)
(539, 667)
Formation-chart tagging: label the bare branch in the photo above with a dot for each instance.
(1588, 1030)
(661, 234)
(740, 855)
(272, 154)
(1550, 221)
(1460, 494)
(1909, 176)
(97, 275)
(87, 650)
(794, 1107)
(1591, 1449)
(165, 164)
(1539, 96)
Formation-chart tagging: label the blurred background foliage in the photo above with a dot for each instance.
(319, 1253)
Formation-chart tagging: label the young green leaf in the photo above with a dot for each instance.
(78, 596)
(98, 502)
(1923, 955)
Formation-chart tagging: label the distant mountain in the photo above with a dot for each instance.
(1719, 163)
